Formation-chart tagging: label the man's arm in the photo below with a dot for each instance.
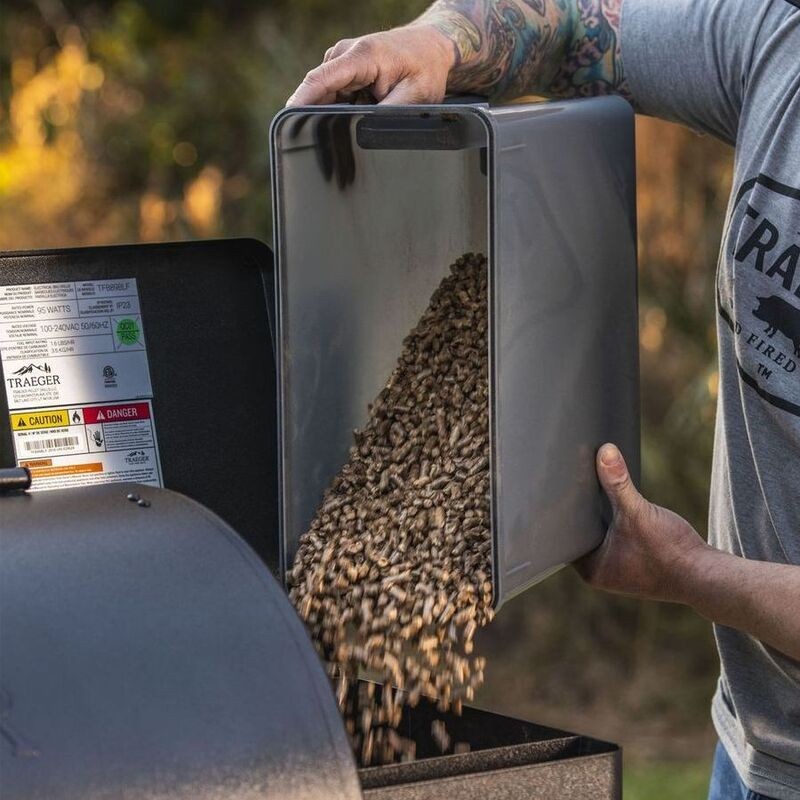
(498, 48)
(651, 553)
(510, 48)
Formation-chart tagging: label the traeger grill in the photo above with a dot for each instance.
(149, 651)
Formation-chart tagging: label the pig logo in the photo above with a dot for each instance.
(779, 316)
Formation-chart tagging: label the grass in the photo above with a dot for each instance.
(666, 780)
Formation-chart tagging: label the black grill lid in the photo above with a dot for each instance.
(207, 313)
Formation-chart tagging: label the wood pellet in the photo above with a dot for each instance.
(393, 576)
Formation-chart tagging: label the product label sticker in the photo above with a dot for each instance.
(78, 383)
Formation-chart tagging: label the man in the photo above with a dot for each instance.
(730, 68)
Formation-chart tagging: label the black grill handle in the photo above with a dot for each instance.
(14, 479)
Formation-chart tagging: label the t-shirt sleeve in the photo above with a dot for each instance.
(688, 60)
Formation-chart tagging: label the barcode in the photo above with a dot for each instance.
(34, 445)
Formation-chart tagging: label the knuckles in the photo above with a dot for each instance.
(342, 47)
(322, 75)
(386, 59)
(363, 47)
(313, 77)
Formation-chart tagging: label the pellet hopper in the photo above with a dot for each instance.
(147, 646)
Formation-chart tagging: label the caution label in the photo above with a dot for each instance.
(32, 420)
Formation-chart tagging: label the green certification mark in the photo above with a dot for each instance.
(128, 332)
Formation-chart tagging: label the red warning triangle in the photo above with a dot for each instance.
(100, 415)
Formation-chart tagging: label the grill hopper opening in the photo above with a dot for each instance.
(508, 757)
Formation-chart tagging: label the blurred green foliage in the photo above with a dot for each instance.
(667, 781)
(143, 120)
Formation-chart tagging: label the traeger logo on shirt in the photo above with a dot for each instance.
(758, 289)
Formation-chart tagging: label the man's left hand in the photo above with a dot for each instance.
(648, 551)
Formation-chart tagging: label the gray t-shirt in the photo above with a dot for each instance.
(731, 68)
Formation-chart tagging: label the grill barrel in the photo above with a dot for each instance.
(148, 653)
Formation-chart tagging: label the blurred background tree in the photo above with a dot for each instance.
(139, 120)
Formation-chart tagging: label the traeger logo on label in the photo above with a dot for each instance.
(137, 457)
(758, 294)
(32, 375)
(31, 368)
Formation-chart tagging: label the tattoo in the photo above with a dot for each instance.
(509, 48)
(593, 64)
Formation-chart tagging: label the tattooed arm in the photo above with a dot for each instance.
(499, 48)
(508, 48)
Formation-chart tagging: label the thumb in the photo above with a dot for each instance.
(616, 480)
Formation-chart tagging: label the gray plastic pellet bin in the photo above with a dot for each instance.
(371, 205)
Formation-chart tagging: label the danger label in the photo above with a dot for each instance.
(120, 413)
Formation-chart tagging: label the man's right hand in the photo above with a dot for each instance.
(402, 66)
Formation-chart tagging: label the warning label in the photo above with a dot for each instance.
(88, 444)
(132, 411)
(78, 383)
(39, 419)
(70, 471)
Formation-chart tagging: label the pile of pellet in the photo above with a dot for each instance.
(393, 578)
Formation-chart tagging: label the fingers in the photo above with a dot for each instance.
(410, 90)
(353, 70)
(405, 92)
(616, 480)
(339, 49)
(405, 66)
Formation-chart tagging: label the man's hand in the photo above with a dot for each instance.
(493, 48)
(651, 553)
(405, 65)
(648, 550)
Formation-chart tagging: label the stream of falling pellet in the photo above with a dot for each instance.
(393, 577)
